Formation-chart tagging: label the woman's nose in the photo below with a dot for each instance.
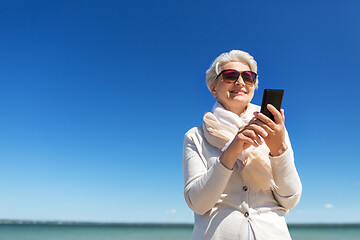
(239, 81)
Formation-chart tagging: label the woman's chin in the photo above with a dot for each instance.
(243, 100)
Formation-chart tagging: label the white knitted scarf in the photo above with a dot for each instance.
(221, 126)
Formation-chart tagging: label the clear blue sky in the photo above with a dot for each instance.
(96, 97)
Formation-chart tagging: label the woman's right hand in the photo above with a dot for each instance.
(246, 136)
(249, 135)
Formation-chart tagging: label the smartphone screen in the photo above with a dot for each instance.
(273, 97)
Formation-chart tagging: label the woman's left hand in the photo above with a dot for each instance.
(276, 130)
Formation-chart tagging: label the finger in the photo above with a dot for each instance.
(263, 118)
(250, 141)
(282, 111)
(253, 136)
(252, 120)
(276, 113)
(247, 140)
(264, 126)
(257, 129)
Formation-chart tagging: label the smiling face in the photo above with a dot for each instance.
(235, 96)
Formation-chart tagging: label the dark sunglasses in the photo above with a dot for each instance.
(232, 75)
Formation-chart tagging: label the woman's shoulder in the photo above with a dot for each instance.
(195, 132)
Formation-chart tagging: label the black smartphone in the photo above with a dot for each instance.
(273, 97)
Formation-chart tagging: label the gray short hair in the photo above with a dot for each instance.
(232, 56)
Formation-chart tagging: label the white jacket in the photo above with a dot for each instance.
(224, 207)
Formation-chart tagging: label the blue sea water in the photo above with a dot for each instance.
(76, 232)
(138, 232)
(325, 232)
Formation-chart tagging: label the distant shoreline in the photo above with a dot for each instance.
(185, 225)
(89, 223)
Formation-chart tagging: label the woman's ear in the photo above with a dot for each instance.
(213, 91)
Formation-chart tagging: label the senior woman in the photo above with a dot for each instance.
(238, 166)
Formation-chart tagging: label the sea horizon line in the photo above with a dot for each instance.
(149, 224)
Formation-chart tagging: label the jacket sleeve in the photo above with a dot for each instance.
(286, 178)
(203, 187)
